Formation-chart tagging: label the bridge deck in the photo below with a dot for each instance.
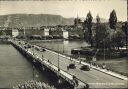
(94, 78)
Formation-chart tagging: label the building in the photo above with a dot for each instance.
(30, 31)
(15, 32)
(65, 34)
(46, 32)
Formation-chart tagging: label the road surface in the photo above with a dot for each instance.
(94, 78)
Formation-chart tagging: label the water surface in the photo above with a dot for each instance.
(15, 69)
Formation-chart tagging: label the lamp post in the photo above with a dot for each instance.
(63, 46)
(127, 44)
(126, 32)
(58, 59)
(104, 48)
(125, 29)
(79, 57)
(33, 50)
(33, 71)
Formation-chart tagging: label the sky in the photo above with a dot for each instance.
(67, 8)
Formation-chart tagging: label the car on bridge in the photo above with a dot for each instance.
(42, 50)
(71, 66)
(85, 68)
(37, 48)
(28, 46)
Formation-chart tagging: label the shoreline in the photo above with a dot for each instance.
(93, 52)
(4, 42)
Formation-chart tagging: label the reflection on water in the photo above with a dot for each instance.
(14, 68)
(62, 46)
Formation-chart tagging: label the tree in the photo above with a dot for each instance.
(96, 31)
(118, 40)
(125, 30)
(101, 35)
(1, 33)
(88, 24)
(75, 21)
(97, 19)
(113, 20)
(79, 20)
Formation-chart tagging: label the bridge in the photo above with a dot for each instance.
(56, 62)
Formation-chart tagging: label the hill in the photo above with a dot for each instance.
(33, 20)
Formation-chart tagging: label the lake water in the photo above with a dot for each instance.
(61, 46)
(15, 69)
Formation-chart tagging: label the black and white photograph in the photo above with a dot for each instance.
(63, 44)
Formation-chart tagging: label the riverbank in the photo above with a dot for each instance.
(4, 42)
(99, 53)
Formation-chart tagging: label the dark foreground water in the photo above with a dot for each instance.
(15, 69)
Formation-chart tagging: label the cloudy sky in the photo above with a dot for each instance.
(67, 8)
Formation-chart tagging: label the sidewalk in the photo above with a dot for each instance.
(107, 72)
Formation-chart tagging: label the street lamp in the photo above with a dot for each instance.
(33, 68)
(104, 48)
(33, 71)
(125, 29)
(63, 46)
(33, 50)
(79, 57)
(126, 33)
(58, 58)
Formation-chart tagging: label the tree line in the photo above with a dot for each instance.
(102, 35)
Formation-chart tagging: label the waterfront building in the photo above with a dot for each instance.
(65, 34)
(46, 32)
(15, 32)
(30, 31)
